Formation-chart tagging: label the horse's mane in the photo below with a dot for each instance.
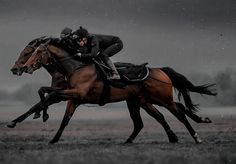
(40, 39)
(59, 49)
(43, 39)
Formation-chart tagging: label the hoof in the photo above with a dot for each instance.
(11, 124)
(172, 137)
(45, 117)
(52, 142)
(197, 139)
(206, 120)
(128, 141)
(36, 115)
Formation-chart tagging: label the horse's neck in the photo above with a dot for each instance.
(57, 52)
(69, 64)
(52, 69)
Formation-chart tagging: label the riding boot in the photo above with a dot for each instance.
(115, 74)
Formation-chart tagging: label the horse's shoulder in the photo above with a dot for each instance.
(53, 49)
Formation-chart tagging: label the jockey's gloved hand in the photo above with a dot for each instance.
(84, 55)
(78, 55)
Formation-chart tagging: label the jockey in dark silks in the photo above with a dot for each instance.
(87, 46)
(66, 41)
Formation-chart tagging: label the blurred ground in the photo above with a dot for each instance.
(99, 139)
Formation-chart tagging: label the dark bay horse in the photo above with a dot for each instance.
(86, 88)
(17, 68)
(58, 81)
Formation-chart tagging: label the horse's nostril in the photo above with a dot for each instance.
(13, 70)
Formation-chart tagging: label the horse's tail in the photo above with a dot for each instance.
(184, 86)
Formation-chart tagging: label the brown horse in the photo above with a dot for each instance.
(17, 68)
(58, 81)
(85, 87)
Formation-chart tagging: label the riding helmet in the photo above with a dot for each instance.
(81, 32)
(65, 32)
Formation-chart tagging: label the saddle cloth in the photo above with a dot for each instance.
(131, 73)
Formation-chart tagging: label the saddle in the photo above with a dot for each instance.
(129, 73)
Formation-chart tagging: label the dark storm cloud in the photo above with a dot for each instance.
(139, 10)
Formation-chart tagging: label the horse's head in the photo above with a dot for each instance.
(17, 68)
(41, 56)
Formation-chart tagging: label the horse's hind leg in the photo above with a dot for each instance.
(178, 112)
(134, 110)
(192, 115)
(152, 111)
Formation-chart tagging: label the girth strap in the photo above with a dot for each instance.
(106, 95)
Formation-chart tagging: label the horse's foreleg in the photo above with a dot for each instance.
(192, 115)
(61, 95)
(71, 106)
(42, 91)
(152, 111)
(22, 117)
(134, 110)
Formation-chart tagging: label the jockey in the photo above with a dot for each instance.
(65, 33)
(89, 46)
(66, 41)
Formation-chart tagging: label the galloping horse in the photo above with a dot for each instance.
(85, 87)
(17, 68)
(59, 82)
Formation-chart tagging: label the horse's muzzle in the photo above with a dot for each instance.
(17, 71)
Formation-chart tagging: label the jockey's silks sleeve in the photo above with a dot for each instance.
(94, 49)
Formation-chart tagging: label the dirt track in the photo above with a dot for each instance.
(101, 141)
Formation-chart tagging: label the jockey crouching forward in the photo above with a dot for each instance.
(89, 46)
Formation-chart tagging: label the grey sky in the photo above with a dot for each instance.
(188, 35)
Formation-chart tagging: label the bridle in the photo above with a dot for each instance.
(45, 53)
(32, 45)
